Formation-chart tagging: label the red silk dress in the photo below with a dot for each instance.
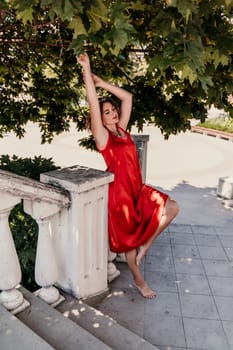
(134, 209)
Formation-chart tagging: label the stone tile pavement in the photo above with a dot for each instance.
(191, 269)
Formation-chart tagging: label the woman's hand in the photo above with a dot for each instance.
(84, 61)
(97, 80)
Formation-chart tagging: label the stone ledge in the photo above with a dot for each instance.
(77, 178)
(27, 188)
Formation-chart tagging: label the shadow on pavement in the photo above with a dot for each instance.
(199, 205)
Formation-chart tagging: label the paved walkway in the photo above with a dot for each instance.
(191, 264)
(190, 267)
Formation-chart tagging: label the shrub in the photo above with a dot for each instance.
(221, 123)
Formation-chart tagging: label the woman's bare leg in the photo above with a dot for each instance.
(140, 283)
(171, 209)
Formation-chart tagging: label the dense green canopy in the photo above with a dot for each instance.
(175, 56)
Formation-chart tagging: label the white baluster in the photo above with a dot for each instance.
(113, 272)
(10, 271)
(121, 258)
(46, 271)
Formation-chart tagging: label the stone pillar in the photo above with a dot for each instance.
(10, 271)
(141, 142)
(81, 238)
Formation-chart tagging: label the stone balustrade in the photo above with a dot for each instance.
(45, 201)
(70, 209)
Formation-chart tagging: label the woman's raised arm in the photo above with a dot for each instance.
(99, 132)
(124, 96)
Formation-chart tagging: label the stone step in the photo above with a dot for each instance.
(58, 331)
(15, 335)
(101, 326)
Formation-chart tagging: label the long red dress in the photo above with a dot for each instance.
(134, 209)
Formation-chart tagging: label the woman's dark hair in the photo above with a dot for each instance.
(102, 100)
(109, 99)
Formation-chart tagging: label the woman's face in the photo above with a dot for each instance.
(109, 114)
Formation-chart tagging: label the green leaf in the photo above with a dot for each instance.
(185, 7)
(77, 44)
(206, 82)
(122, 23)
(3, 5)
(159, 62)
(98, 14)
(134, 5)
(120, 40)
(77, 25)
(228, 3)
(67, 11)
(64, 9)
(219, 58)
(26, 15)
(188, 73)
(22, 5)
(45, 3)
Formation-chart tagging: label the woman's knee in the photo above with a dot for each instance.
(176, 208)
(172, 208)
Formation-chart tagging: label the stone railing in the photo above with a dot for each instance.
(42, 202)
(70, 206)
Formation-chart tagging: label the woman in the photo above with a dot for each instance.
(137, 213)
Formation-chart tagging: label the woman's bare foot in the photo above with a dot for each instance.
(145, 291)
(141, 252)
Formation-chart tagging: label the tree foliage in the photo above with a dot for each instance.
(174, 55)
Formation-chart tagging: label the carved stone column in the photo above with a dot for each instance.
(113, 272)
(10, 271)
(46, 270)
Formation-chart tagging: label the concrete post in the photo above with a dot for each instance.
(141, 142)
(81, 238)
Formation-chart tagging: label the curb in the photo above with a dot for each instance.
(214, 133)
